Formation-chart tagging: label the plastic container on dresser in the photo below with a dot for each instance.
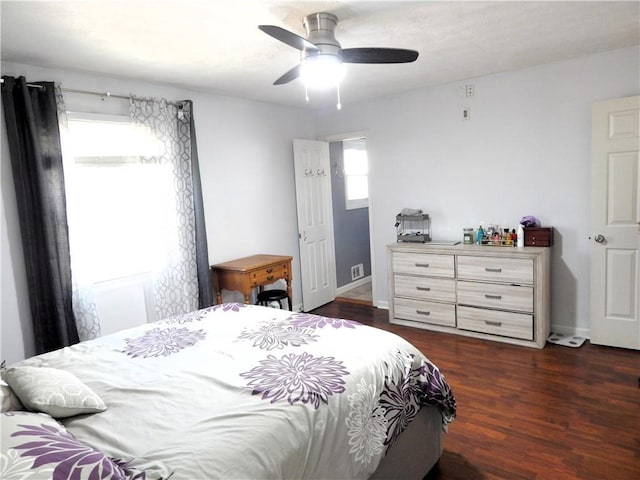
(495, 293)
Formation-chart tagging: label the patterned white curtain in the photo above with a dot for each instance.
(175, 286)
(176, 282)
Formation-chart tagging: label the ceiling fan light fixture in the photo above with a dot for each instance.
(322, 56)
(319, 72)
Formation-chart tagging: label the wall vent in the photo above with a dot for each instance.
(357, 271)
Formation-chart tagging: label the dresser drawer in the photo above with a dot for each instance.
(425, 312)
(268, 275)
(506, 324)
(428, 288)
(492, 295)
(423, 264)
(496, 269)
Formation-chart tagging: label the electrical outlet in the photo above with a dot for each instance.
(469, 91)
(466, 91)
(466, 113)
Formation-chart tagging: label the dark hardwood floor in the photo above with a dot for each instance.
(523, 413)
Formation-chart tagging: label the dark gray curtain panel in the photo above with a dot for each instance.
(36, 160)
(202, 251)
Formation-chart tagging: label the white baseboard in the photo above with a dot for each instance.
(382, 304)
(349, 286)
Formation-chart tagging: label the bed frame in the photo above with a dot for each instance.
(416, 451)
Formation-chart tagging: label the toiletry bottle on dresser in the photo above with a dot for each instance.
(520, 235)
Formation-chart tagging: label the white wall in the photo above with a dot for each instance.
(524, 151)
(246, 163)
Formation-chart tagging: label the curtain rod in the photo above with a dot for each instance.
(100, 94)
(73, 90)
(103, 95)
(33, 85)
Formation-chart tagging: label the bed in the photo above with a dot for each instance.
(232, 391)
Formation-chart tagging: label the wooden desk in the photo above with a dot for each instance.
(244, 274)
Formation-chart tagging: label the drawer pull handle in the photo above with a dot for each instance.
(270, 277)
(495, 324)
(422, 312)
(269, 270)
(424, 289)
(426, 265)
(494, 270)
(493, 297)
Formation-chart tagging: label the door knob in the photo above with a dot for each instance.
(599, 238)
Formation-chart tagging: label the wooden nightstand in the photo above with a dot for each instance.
(244, 274)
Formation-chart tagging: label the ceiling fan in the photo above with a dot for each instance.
(320, 51)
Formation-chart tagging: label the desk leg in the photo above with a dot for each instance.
(288, 282)
(216, 287)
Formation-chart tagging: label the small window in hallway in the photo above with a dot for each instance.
(356, 171)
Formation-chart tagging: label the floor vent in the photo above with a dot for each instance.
(357, 271)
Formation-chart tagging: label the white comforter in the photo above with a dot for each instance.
(246, 392)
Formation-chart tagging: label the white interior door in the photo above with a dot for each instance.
(615, 223)
(315, 222)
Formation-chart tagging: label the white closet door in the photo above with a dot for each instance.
(615, 223)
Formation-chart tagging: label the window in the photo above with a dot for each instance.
(117, 196)
(356, 174)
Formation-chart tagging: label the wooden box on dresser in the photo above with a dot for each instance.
(495, 293)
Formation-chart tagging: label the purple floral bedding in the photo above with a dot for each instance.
(235, 391)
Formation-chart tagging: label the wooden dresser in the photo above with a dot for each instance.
(244, 274)
(495, 293)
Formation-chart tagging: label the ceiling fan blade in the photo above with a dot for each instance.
(378, 55)
(288, 76)
(290, 38)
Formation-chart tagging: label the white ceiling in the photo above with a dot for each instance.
(215, 45)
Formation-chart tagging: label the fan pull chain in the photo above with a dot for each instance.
(339, 105)
(306, 93)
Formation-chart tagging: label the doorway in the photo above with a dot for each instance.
(351, 216)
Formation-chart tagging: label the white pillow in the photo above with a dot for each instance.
(34, 445)
(49, 390)
(8, 400)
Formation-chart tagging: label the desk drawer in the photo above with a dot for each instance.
(496, 269)
(268, 275)
(425, 312)
(424, 264)
(506, 324)
(492, 295)
(427, 288)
